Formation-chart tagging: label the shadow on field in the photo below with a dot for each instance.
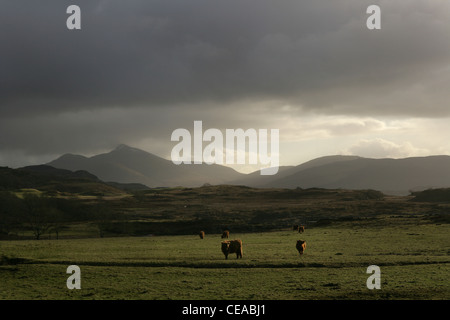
(217, 265)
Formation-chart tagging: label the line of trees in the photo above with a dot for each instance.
(46, 215)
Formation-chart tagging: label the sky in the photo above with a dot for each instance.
(139, 69)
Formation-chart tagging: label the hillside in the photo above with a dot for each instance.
(432, 195)
(52, 180)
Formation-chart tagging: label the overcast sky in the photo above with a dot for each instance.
(137, 70)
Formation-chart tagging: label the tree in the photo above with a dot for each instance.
(56, 221)
(102, 216)
(10, 211)
(38, 214)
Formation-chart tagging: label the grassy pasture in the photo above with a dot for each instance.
(413, 257)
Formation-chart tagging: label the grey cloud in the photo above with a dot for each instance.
(317, 54)
(88, 131)
(141, 68)
(380, 148)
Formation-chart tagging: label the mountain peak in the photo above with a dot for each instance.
(70, 156)
(122, 147)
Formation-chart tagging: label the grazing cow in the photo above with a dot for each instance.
(295, 227)
(232, 246)
(301, 246)
(225, 234)
(201, 234)
(301, 229)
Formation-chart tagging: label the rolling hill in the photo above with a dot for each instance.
(52, 180)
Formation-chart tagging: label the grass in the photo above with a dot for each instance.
(413, 257)
(22, 192)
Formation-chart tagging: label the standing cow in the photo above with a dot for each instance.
(295, 227)
(301, 246)
(225, 234)
(201, 234)
(232, 246)
(301, 229)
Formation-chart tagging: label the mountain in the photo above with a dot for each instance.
(130, 165)
(255, 179)
(390, 176)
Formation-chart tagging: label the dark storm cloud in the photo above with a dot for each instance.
(94, 129)
(317, 54)
(136, 68)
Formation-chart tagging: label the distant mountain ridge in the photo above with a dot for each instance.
(254, 179)
(390, 176)
(131, 165)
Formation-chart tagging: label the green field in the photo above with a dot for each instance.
(413, 255)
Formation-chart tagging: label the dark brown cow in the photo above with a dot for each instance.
(232, 246)
(301, 246)
(295, 227)
(301, 229)
(225, 234)
(201, 234)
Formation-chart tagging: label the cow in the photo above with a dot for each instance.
(301, 246)
(301, 229)
(201, 234)
(295, 227)
(232, 246)
(225, 234)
